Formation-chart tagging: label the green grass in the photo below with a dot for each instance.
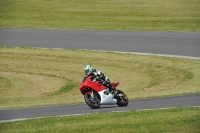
(38, 77)
(179, 120)
(137, 15)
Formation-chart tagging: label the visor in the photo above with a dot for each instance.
(87, 72)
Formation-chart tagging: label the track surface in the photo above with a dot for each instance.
(25, 113)
(180, 44)
(170, 43)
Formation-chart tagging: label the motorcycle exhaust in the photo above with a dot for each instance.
(118, 95)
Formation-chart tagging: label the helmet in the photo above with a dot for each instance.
(88, 69)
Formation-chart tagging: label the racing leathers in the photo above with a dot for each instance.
(97, 75)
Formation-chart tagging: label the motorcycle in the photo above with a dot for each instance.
(96, 94)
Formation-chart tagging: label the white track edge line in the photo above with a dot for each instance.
(121, 52)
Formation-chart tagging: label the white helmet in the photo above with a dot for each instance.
(88, 69)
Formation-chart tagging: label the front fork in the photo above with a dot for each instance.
(92, 94)
(94, 97)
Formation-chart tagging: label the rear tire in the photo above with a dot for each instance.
(94, 103)
(122, 100)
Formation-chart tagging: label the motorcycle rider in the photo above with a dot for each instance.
(98, 75)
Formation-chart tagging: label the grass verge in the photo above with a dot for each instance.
(179, 120)
(137, 15)
(39, 77)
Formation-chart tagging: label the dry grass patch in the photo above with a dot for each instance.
(36, 77)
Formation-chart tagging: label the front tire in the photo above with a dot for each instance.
(94, 103)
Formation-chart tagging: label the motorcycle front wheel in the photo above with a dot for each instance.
(94, 102)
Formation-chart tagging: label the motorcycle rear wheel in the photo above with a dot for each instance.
(122, 101)
(94, 103)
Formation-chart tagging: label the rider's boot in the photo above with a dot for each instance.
(113, 90)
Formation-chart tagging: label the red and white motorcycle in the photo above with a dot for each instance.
(96, 94)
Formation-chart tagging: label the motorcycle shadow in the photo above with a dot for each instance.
(104, 107)
(110, 107)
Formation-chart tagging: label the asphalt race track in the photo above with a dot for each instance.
(181, 44)
(40, 112)
(169, 43)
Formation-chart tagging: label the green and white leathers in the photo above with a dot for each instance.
(98, 75)
(95, 73)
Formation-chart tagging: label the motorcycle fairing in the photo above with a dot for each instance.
(96, 94)
(107, 99)
(96, 86)
(100, 89)
(115, 84)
